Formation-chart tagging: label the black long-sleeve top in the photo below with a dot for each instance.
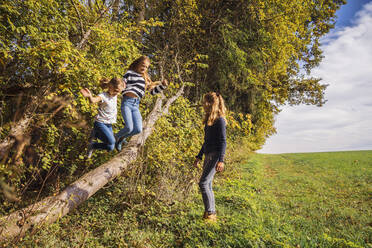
(214, 139)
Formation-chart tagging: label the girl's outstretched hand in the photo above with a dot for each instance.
(196, 163)
(86, 92)
(220, 166)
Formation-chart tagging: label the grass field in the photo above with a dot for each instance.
(324, 199)
(284, 200)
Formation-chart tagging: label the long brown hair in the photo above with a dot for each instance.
(134, 67)
(114, 82)
(214, 107)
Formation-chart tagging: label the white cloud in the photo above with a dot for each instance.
(345, 121)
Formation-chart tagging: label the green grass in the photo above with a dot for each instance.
(285, 200)
(325, 198)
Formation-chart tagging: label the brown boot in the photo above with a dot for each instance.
(210, 217)
(205, 215)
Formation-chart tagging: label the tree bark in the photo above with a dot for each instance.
(52, 208)
(115, 10)
(140, 8)
(19, 128)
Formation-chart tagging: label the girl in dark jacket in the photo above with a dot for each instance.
(214, 147)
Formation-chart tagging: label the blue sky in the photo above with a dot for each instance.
(345, 15)
(345, 121)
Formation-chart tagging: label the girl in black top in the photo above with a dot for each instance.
(213, 147)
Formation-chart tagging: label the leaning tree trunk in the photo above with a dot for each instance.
(52, 208)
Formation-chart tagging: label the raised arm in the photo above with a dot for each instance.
(93, 99)
(157, 87)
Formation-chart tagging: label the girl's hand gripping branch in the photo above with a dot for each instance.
(86, 93)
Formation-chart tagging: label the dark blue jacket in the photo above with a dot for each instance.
(214, 139)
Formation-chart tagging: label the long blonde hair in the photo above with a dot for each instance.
(134, 66)
(214, 107)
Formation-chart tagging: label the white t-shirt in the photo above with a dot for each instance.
(107, 110)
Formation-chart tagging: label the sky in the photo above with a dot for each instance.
(344, 123)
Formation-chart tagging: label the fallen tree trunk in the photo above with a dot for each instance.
(52, 208)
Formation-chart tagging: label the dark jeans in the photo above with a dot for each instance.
(205, 183)
(104, 132)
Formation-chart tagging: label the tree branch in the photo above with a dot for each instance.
(87, 34)
(81, 22)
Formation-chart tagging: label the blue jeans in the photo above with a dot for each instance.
(132, 117)
(205, 183)
(104, 132)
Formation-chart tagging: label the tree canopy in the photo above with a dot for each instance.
(257, 53)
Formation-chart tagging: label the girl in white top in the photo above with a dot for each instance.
(107, 114)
